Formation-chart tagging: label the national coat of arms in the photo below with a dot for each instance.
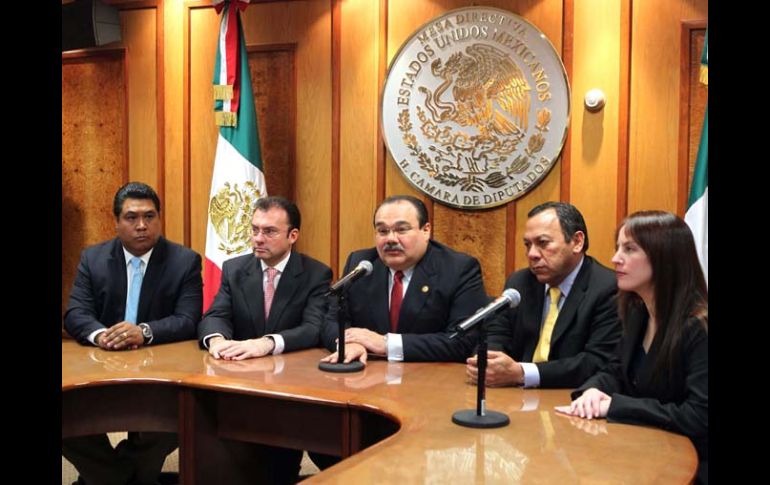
(475, 107)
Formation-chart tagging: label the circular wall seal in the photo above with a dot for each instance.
(475, 107)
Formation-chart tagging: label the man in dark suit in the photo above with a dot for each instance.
(238, 325)
(419, 290)
(268, 303)
(135, 290)
(566, 327)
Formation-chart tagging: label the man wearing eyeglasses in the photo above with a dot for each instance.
(269, 302)
(418, 291)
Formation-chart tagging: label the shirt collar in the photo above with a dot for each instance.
(145, 257)
(407, 273)
(280, 266)
(566, 285)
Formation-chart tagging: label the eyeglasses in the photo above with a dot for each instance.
(398, 230)
(268, 232)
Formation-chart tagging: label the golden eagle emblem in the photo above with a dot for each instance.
(488, 88)
(230, 212)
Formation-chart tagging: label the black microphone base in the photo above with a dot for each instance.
(354, 366)
(491, 419)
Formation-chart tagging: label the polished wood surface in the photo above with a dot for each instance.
(286, 400)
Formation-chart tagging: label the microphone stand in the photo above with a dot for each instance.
(342, 320)
(481, 417)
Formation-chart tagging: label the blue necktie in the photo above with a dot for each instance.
(132, 306)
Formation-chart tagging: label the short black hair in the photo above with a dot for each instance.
(422, 212)
(570, 219)
(292, 211)
(134, 190)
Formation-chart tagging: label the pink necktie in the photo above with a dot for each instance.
(269, 290)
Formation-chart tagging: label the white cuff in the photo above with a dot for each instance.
(279, 343)
(531, 374)
(395, 347)
(207, 337)
(92, 336)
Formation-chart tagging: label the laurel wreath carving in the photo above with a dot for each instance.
(457, 158)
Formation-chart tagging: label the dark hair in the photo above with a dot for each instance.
(422, 212)
(292, 211)
(134, 190)
(570, 219)
(679, 287)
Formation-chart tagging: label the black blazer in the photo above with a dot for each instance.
(170, 301)
(445, 288)
(657, 403)
(238, 310)
(585, 333)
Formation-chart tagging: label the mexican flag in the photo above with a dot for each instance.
(698, 203)
(237, 180)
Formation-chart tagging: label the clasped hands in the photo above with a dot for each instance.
(221, 348)
(121, 336)
(359, 342)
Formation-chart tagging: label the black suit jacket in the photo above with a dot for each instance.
(170, 301)
(656, 402)
(238, 310)
(585, 333)
(445, 288)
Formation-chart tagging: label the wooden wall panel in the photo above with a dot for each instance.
(175, 187)
(629, 49)
(359, 124)
(272, 78)
(594, 140)
(139, 37)
(202, 138)
(654, 114)
(306, 24)
(490, 226)
(695, 105)
(93, 153)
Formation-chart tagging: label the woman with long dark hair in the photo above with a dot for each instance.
(659, 375)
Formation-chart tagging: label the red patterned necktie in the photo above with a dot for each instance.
(269, 290)
(396, 297)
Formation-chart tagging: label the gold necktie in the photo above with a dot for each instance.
(544, 344)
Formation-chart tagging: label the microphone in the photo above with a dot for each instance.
(510, 298)
(364, 268)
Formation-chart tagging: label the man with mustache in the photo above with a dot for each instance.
(566, 326)
(418, 291)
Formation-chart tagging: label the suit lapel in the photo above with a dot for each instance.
(119, 286)
(377, 288)
(253, 294)
(532, 314)
(633, 337)
(415, 297)
(151, 281)
(287, 286)
(575, 298)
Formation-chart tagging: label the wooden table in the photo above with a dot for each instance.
(392, 420)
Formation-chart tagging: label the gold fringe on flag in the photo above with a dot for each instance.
(223, 92)
(704, 75)
(225, 118)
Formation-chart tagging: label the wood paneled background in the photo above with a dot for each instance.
(142, 110)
